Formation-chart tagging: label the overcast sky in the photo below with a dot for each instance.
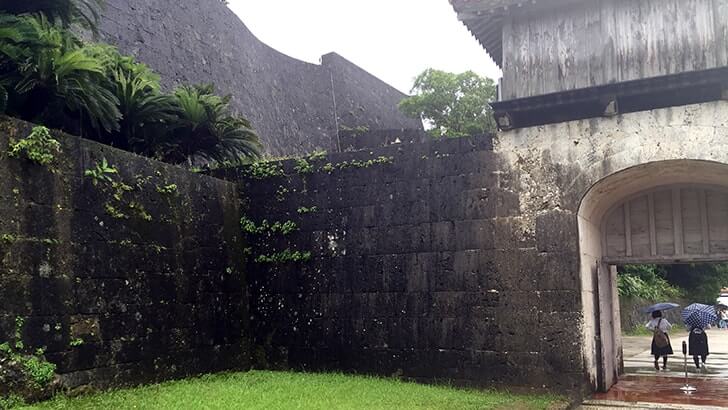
(392, 39)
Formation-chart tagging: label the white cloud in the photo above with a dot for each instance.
(392, 39)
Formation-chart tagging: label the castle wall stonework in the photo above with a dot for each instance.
(147, 277)
(296, 107)
(419, 267)
(556, 168)
(475, 260)
(457, 260)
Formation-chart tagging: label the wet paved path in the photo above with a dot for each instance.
(711, 392)
(643, 384)
(638, 361)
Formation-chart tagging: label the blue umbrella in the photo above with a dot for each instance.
(660, 306)
(699, 315)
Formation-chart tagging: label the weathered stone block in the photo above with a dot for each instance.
(556, 231)
(478, 234)
(517, 269)
(560, 271)
(514, 233)
(508, 202)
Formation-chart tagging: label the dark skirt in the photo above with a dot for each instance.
(662, 351)
(698, 344)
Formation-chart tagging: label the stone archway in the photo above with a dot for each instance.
(665, 211)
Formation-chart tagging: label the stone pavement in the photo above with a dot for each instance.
(663, 391)
(638, 361)
(642, 387)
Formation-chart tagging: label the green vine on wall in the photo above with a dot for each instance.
(306, 165)
(9, 238)
(33, 365)
(329, 167)
(268, 229)
(283, 228)
(306, 210)
(285, 256)
(263, 170)
(169, 189)
(39, 146)
(106, 176)
(302, 166)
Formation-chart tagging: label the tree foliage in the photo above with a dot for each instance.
(63, 13)
(646, 282)
(49, 76)
(55, 80)
(695, 282)
(702, 282)
(453, 105)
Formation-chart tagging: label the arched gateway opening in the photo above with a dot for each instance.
(661, 212)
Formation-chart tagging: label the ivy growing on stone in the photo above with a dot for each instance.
(263, 170)
(106, 176)
(283, 228)
(101, 172)
(306, 210)
(303, 166)
(285, 256)
(39, 147)
(167, 189)
(24, 373)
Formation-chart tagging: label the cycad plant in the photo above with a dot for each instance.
(206, 134)
(146, 112)
(61, 12)
(49, 76)
(56, 81)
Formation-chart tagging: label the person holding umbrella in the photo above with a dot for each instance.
(698, 342)
(661, 346)
(698, 317)
(660, 327)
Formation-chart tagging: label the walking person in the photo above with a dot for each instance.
(661, 346)
(723, 323)
(698, 342)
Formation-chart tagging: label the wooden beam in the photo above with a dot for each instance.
(651, 217)
(665, 259)
(703, 205)
(677, 228)
(627, 229)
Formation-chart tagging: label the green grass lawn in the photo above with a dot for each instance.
(285, 390)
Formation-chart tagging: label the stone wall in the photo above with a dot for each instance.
(419, 267)
(151, 281)
(293, 105)
(461, 261)
(568, 175)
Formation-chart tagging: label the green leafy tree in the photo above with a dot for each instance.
(646, 282)
(453, 105)
(702, 282)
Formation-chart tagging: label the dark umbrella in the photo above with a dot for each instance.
(699, 315)
(660, 306)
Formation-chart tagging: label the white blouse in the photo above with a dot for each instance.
(665, 326)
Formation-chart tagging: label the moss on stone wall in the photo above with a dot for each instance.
(150, 290)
